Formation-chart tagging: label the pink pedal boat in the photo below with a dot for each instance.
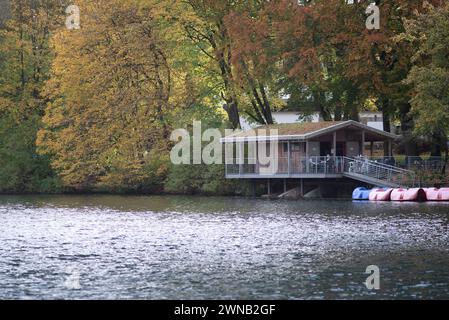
(434, 194)
(414, 194)
(380, 194)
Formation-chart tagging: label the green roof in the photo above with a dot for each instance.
(305, 130)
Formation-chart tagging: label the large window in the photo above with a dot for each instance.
(297, 147)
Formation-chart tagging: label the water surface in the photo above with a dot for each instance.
(126, 247)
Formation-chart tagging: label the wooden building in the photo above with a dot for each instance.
(320, 150)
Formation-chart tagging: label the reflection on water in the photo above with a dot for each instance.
(125, 247)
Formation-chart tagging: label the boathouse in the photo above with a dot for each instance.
(308, 150)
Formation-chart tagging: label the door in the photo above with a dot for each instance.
(325, 149)
(341, 149)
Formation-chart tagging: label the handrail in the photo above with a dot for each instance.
(382, 172)
(379, 164)
(316, 165)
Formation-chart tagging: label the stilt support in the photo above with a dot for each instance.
(253, 188)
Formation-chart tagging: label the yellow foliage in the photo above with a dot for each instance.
(109, 90)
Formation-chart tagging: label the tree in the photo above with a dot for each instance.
(254, 58)
(429, 77)
(310, 38)
(206, 28)
(25, 60)
(108, 95)
(380, 64)
(337, 63)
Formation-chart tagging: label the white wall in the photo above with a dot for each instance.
(281, 117)
(293, 117)
(376, 125)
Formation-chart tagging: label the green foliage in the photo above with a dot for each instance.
(430, 75)
(109, 96)
(25, 60)
(21, 169)
(432, 178)
(202, 179)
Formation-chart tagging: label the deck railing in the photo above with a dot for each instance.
(325, 166)
(413, 163)
(379, 171)
(285, 166)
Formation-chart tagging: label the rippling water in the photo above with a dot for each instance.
(108, 247)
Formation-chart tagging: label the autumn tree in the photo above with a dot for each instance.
(254, 59)
(307, 37)
(25, 59)
(336, 64)
(380, 64)
(205, 27)
(108, 95)
(429, 77)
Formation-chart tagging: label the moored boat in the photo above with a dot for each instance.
(380, 194)
(435, 194)
(414, 194)
(361, 193)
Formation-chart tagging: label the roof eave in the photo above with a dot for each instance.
(347, 124)
(313, 134)
(262, 138)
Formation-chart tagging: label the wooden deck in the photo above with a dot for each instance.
(377, 174)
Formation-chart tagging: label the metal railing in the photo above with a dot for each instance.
(379, 171)
(413, 163)
(284, 166)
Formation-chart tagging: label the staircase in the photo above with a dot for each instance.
(377, 174)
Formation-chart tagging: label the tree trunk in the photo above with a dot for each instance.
(439, 144)
(384, 107)
(233, 114)
(446, 158)
(407, 126)
(355, 114)
(318, 97)
(338, 115)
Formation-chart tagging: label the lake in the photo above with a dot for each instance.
(170, 247)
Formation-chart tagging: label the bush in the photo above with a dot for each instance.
(203, 179)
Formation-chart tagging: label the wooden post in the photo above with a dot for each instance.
(307, 156)
(289, 157)
(302, 187)
(269, 187)
(241, 151)
(257, 168)
(363, 143)
(335, 144)
(390, 148)
(372, 149)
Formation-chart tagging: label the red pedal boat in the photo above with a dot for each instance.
(380, 194)
(434, 194)
(414, 194)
